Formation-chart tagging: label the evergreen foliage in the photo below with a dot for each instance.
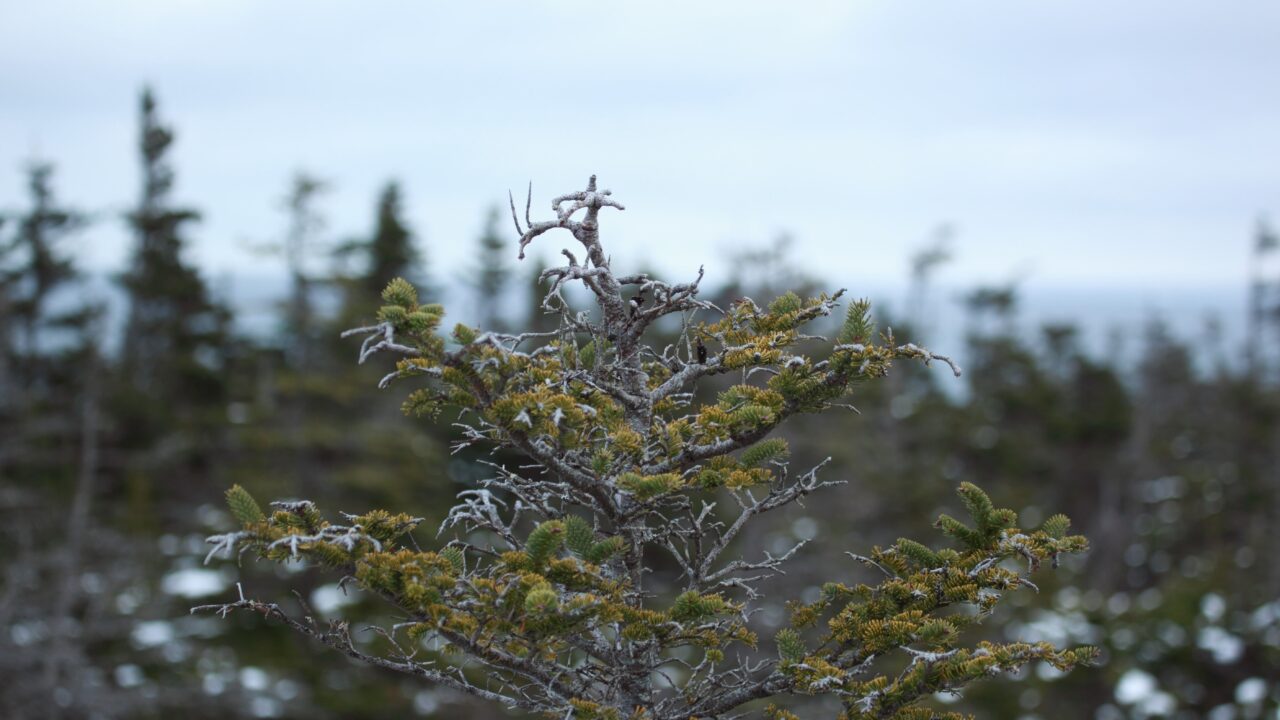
(45, 266)
(172, 323)
(492, 274)
(391, 251)
(243, 507)
(561, 612)
(297, 246)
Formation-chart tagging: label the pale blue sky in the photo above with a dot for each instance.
(1090, 142)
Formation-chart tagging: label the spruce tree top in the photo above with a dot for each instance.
(546, 598)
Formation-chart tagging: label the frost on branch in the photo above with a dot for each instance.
(542, 583)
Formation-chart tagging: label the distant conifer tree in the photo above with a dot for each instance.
(172, 324)
(391, 251)
(492, 273)
(43, 266)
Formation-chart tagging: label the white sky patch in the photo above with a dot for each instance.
(1141, 691)
(152, 633)
(1251, 691)
(194, 582)
(1213, 607)
(1225, 647)
(329, 599)
(252, 678)
(1134, 686)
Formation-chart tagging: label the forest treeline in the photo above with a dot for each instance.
(115, 451)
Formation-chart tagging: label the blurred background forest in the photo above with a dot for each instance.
(140, 376)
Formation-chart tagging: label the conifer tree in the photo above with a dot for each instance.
(54, 535)
(172, 323)
(297, 246)
(548, 597)
(7, 281)
(391, 251)
(492, 273)
(536, 318)
(169, 406)
(43, 344)
(44, 266)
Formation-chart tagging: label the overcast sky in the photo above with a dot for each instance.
(1086, 142)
